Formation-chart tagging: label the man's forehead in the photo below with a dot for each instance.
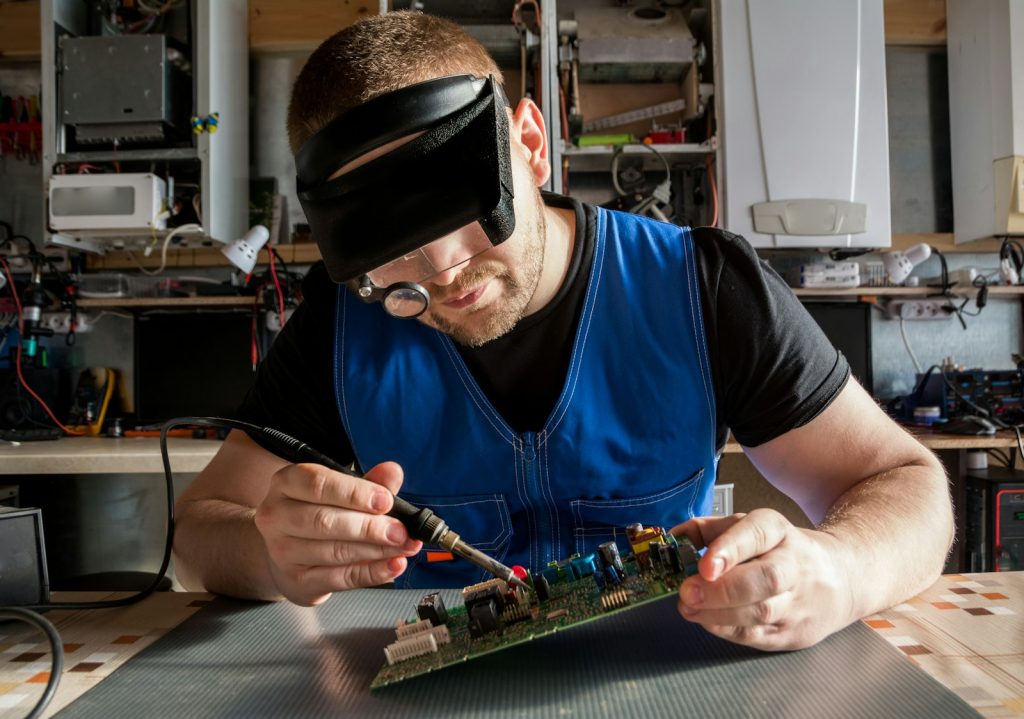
(374, 154)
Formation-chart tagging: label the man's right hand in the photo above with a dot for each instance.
(326, 531)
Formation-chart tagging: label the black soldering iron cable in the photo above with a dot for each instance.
(168, 544)
(56, 652)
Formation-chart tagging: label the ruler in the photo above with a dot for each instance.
(642, 113)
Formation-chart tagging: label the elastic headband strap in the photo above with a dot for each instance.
(381, 120)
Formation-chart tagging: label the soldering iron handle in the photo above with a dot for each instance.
(421, 522)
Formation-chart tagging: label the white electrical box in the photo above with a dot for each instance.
(804, 154)
(127, 202)
(154, 93)
(985, 39)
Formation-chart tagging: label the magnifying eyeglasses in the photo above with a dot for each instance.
(405, 300)
(397, 285)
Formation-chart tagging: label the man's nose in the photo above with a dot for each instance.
(446, 277)
(450, 254)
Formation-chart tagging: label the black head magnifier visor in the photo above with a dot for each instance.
(380, 226)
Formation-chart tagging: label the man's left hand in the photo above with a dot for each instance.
(764, 582)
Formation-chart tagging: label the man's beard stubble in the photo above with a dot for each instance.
(516, 295)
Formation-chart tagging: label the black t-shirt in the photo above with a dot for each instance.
(773, 368)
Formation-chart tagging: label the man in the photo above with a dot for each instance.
(573, 371)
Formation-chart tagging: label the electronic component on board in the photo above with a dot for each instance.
(640, 539)
(423, 642)
(484, 618)
(404, 629)
(497, 615)
(431, 608)
(609, 553)
(584, 566)
(688, 557)
(614, 599)
(654, 550)
(542, 587)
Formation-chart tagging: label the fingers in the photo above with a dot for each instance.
(703, 530)
(316, 521)
(763, 582)
(319, 485)
(749, 536)
(325, 531)
(313, 585)
(313, 552)
(746, 584)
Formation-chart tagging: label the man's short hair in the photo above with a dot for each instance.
(375, 56)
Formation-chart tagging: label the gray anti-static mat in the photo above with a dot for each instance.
(237, 659)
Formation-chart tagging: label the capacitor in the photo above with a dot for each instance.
(688, 556)
(551, 574)
(612, 575)
(665, 554)
(567, 571)
(654, 549)
(609, 553)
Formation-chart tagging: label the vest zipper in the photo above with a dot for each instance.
(535, 494)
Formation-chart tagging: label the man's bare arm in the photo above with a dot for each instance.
(881, 503)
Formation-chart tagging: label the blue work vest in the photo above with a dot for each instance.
(630, 439)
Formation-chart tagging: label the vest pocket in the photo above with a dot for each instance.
(599, 520)
(482, 521)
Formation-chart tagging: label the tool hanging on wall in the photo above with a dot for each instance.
(21, 128)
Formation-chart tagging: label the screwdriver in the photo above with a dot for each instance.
(421, 522)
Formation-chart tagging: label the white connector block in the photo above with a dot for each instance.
(60, 322)
(273, 320)
(923, 309)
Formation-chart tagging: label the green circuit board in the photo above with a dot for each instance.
(571, 600)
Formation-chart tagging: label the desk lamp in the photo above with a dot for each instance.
(899, 264)
(243, 251)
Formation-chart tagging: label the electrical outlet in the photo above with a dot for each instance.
(60, 322)
(17, 257)
(924, 309)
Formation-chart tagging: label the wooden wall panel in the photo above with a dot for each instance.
(915, 22)
(19, 30)
(288, 25)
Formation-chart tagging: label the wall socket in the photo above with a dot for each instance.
(923, 309)
(60, 322)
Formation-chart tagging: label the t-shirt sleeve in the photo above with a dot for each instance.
(292, 390)
(774, 369)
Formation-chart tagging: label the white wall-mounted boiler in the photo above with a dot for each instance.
(804, 155)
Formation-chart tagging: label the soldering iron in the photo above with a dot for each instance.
(421, 522)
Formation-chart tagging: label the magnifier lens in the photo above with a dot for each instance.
(405, 302)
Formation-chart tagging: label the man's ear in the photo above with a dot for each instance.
(526, 129)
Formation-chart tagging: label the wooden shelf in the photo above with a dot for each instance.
(899, 291)
(934, 440)
(165, 302)
(185, 257)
